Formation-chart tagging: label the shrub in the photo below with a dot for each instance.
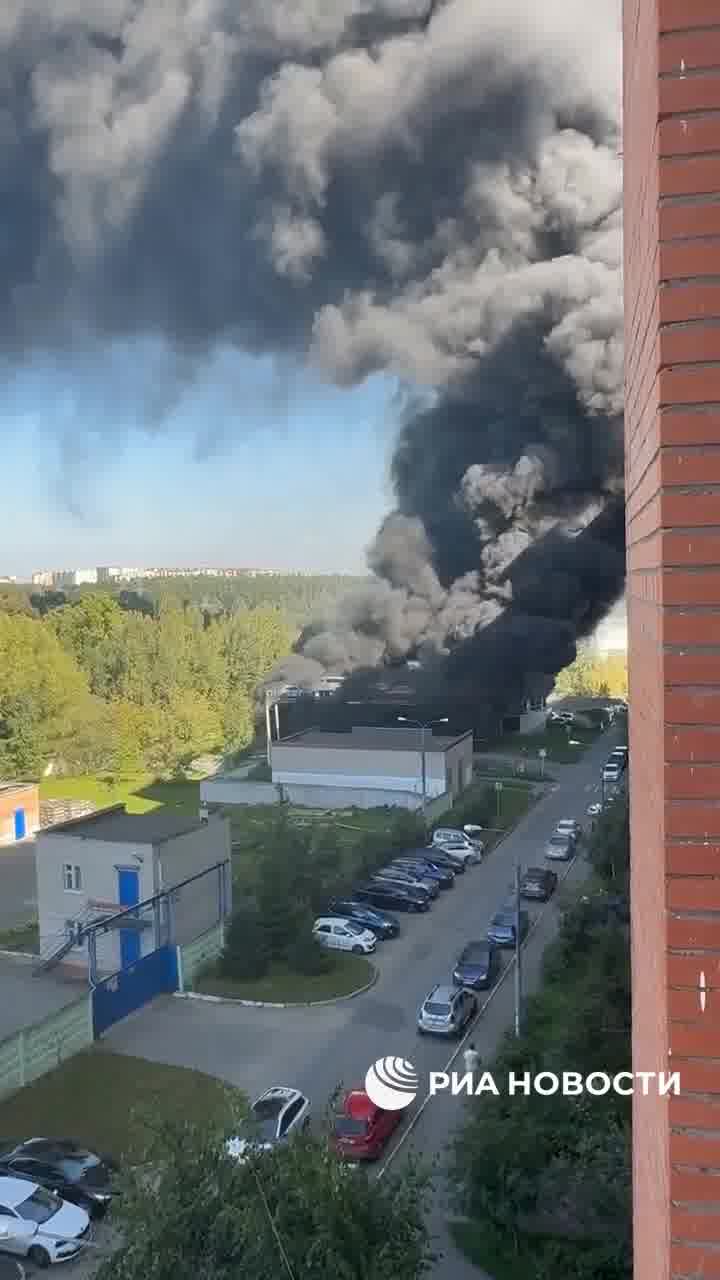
(245, 954)
(305, 954)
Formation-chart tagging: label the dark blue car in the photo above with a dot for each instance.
(427, 870)
(502, 929)
(382, 924)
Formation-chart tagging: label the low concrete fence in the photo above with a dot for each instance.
(34, 1051)
(222, 791)
(315, 797)
(197, 955)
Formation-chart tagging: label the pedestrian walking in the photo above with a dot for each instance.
(472, 1059)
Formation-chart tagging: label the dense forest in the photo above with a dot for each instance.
(145, 679)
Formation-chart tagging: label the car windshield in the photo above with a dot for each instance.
(38, 1207)
(474, 955)
(559, 839)
(265, 1119)
(437, 1010)
(353, 927)
(349, 1127)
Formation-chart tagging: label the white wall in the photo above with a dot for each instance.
(97, 860)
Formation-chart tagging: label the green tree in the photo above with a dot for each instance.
(84, 629)
(305, 954)
(297, 1211)
(245, 954)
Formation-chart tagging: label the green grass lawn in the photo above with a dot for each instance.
(138, 793)
(282, 986)
(22, 937)
(92, 1097)
(555, 741)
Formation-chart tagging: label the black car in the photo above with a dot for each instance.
(399, 897)
(538, 883)
(380, 923)
(477, 966)
(60, 1165)
(441, 857)
(427, 870)
(410, 878)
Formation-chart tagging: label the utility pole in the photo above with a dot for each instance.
(423, 768)
(498, 793)
(518, 953)
(268, 730)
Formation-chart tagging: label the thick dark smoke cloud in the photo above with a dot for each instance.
(365, 189)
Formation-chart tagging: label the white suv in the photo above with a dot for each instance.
(340, 934)
(459, 842)
(38, 1225)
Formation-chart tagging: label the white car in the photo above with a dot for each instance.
(38, 1225)
(458, 841)
(274, 1117)
(344, 935)
(569, 827)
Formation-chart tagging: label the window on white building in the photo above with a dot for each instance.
(72, 878)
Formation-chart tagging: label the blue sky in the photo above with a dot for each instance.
(126, 456)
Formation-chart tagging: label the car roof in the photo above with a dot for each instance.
(283, 1094)
(475, 946)
(14, 1190)
(535, 872)
(442, 992)
(357, 1104)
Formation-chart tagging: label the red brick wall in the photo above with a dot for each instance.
(671, 149)
(22, 798)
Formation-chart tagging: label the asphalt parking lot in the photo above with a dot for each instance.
(319, 1049)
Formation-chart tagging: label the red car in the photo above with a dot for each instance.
(362, 1130)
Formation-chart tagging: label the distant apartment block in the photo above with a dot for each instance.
(59, 578)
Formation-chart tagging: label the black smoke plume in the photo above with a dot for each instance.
(429, 190)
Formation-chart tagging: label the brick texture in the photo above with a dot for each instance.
(671, 146)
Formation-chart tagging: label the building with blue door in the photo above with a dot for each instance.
(19, 811)
(93, 867)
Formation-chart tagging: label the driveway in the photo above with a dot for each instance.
(18, 890)
(319, 1049)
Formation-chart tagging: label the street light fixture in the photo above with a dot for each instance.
(423, 728)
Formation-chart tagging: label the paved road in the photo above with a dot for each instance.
(18, 900)
(319, 1049)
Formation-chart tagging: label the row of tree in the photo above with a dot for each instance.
(594, 675)
(287, 878)
(94, 687)
(544, 1183)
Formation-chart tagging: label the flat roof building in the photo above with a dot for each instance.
(369, 767)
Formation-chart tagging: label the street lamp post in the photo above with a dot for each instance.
(518, 954)
(423, 763)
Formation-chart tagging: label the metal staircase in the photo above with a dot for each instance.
(59, 944)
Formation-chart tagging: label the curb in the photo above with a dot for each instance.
(270, 1004)
(19, 955)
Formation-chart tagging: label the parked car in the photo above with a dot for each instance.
(501, 930)
(538, 883)
(431, 887)
(38, 1224)
(443, 876)
(569, 827)
(477, 966)
(618, 757)
(381, 893)
(381, 923)
(612, 771)
(362, 1130)
(561, 717)
(60, 1165)
(442, 855)
(274, 1117)
(456, 838)
(446, 1011)
(560, 848)
(344, 935)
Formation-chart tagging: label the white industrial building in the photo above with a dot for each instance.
(366, 767)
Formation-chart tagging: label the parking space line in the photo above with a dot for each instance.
(509, 968)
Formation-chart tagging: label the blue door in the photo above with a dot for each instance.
(129, 896)
(20, 827)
